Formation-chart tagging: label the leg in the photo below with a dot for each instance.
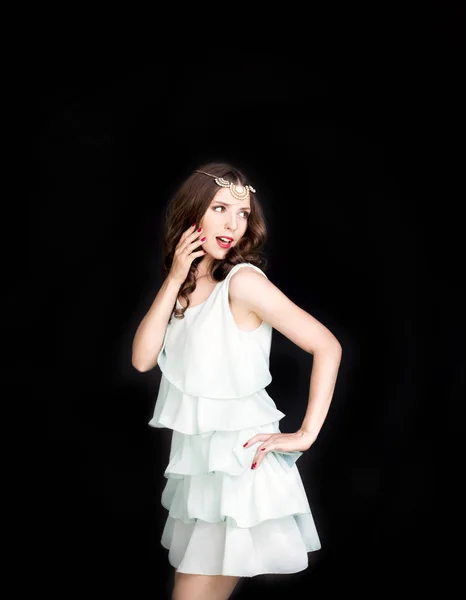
(203, 587)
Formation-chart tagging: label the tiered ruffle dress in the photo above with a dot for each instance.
(223, 517)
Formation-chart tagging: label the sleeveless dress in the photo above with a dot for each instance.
(223, 517)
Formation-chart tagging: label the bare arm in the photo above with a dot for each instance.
(262, 297)
(149, 336)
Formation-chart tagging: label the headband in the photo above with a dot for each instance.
(240, 192)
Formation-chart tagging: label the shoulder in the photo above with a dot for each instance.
(257, 294)
(245, 274)
(247, 267)
(248, 281)
(251, 289)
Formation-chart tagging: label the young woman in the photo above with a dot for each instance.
(235, 499)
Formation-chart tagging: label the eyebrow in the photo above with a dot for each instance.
(224, 204)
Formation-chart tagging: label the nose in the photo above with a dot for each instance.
(231, 221)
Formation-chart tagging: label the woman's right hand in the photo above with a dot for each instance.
(184, 255)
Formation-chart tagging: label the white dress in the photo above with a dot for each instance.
(223, 517)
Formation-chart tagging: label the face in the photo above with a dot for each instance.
(225, 217)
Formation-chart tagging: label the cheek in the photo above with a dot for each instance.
(204, 222)
(209, 217)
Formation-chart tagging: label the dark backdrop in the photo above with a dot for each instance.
(351, 131)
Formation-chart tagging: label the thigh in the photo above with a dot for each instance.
(203, 587)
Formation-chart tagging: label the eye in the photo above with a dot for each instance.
(245, 212)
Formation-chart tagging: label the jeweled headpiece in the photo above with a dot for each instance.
(240, 192)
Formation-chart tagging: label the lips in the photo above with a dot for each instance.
(224, 244)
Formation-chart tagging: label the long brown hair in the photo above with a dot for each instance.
(189, 204)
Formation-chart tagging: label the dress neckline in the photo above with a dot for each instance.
(204, 301)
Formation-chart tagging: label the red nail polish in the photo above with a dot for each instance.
(262, 448)
(253, 465)
(193, 225)
(245, 444)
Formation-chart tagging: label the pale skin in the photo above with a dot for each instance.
(253, 299)
(203, 587)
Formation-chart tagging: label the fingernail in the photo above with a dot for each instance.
(245, 444)
(253, 465)
(262, 448)
(193, 225)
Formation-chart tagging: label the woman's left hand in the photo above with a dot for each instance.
(279, 442)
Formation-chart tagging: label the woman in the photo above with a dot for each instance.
(237, 505)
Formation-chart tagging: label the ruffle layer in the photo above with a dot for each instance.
(229, 488)
(196, 415)
(222, 548)
(223, 517)
(222, 451)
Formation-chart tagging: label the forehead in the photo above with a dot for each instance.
(223, 195)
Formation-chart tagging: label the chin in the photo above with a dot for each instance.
(218, 252)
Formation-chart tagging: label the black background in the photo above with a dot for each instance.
(349, 124)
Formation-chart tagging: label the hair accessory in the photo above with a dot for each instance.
(240, 192)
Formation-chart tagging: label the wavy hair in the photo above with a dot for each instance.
(188, 205)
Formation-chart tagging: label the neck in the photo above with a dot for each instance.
(203, 268)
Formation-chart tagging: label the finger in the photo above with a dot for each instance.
(267, 445)
(191, 241)
(187, 232)
(196, 254)
(201, 239)
(258, 459)
(190, 230)
(259, 437)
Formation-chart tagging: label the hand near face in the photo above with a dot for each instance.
(184, 254)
